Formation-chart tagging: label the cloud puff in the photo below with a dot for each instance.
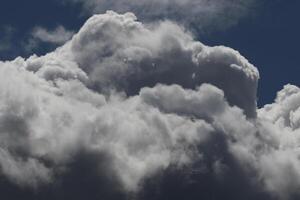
(57, 36)
(138, 101)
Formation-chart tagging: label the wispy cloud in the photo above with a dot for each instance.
(199, 14)
(57, 36)
(7, 35)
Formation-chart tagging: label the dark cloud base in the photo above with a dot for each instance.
(82, 180)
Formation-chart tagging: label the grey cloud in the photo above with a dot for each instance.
(116, 51)
(132, 104)
(28, 172)
(165, 53)
(285, 110)
(186, 102)
(284, 161)
(55, 122)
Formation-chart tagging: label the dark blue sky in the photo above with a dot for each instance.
(269, 37)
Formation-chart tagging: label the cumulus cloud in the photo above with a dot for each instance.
(135, 103)
(119, 48)
(204, 15)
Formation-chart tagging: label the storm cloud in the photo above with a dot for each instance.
(124, 107)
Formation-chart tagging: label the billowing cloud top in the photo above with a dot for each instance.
(137, 100)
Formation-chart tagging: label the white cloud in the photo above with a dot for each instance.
(149, 97)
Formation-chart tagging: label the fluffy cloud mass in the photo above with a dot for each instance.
(138, 103)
